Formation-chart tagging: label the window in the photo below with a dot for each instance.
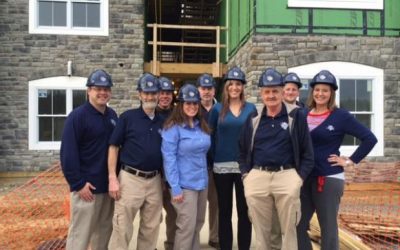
(68, 17)
(50, 102)
(337, 4)
(360, 92)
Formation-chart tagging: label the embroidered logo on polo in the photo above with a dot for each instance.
(284, 125)
(330, 128)
(113, 122)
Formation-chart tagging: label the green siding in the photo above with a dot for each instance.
(274, 17)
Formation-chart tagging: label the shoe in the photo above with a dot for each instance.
(214, 244)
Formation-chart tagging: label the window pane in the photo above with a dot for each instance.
(45, 13)
(78, 98)
(79, 14)
(45, 129)
(44, 102)
(58, 127)
(364, 95)
(60, 14)
(364, 119)
(347, 94)
(59, 102)
(304, 90)
(93, 15)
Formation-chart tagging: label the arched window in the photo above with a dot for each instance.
(50, 102)
(360, 92)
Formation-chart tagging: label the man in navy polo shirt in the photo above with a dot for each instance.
(137, 141)
(83, 155)
(276, 155)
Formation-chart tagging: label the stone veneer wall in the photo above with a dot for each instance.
(26, 57)
(284, 51)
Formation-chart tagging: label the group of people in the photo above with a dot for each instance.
(282, 161)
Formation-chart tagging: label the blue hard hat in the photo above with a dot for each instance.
(325, 77)
(270, 78)
(235, 73)
(206, 80)
(292, 78)
(166, 84)
(188, 93)
(99, 78)
(148, 83)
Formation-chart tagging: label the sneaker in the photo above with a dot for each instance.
(214, 244)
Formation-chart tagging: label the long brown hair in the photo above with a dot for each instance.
(178, 117)
(331, 103)
(226, 100)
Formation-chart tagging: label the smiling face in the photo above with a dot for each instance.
(165, 99)
(290, 92)
(149, 100)
(322, 94)
(99, 96)
(234, 89)
(272, 96)
(190, 109)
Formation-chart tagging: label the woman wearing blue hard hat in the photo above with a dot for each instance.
(323, 189)
(226, 120)
(185, 142)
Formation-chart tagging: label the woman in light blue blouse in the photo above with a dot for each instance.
(226, 120)
(185, 142)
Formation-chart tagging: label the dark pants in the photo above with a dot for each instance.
(224, 184)
(326, 205)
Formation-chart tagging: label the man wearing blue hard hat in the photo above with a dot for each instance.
(276, 155)
(83, 156)
(137, 141)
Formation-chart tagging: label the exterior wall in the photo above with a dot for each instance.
(26, 57)
(283, 52)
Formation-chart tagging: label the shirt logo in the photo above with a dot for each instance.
(113, 122)
(330, 128)
(284, 125)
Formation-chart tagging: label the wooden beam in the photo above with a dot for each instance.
(202, 45)
(196, 27)
(154, 65)
(187, 68)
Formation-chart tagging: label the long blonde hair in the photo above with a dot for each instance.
(226, 100)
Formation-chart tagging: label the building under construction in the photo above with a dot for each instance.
(48, 48)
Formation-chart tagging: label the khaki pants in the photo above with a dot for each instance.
(191, 214)
(170, 218)
(263, 191)
(145, 196)
(212, 208)
(91, 222)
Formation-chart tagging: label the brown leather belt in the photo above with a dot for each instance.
(274, 168)
(137, 172)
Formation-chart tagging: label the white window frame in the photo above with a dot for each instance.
(346, 70)
(59, 82)
(337, 4)
(34, 27)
